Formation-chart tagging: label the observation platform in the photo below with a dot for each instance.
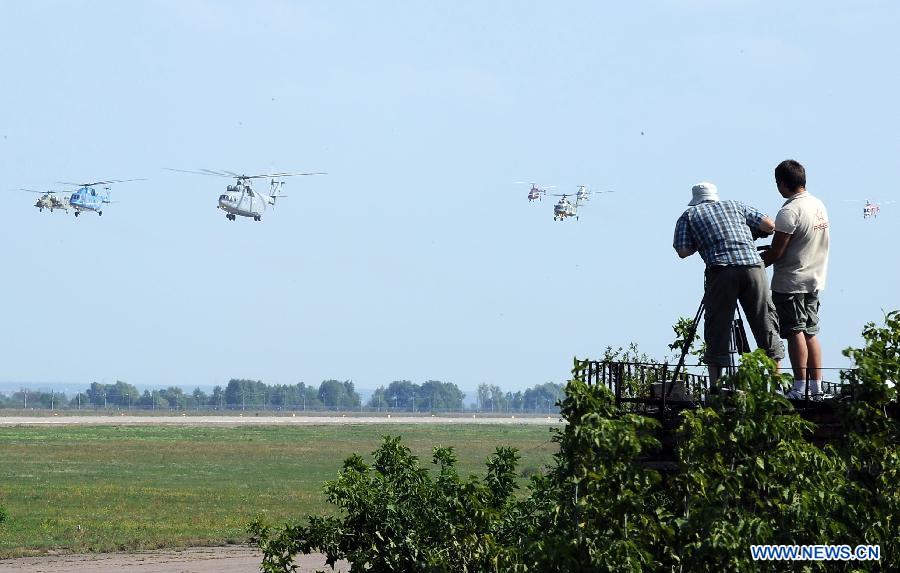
(649, 389)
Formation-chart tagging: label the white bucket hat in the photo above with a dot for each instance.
(704, 191)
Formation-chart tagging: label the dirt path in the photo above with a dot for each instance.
(230, 559)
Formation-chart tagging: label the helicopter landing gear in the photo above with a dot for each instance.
(99, 213)
(257, 218)
(231, 217)
(76, 213)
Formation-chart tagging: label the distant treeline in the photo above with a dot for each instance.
(400, 395)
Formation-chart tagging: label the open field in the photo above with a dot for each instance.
(87, 488)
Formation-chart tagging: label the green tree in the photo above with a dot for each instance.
(749, 474)
(598, 508)
(542, 397)
(436, 395)
(401, 394)
(337, 394)
(491, 397)
(871, 450)
(395, 515)
(378, 399)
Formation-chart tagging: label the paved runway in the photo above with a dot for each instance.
(124, 419)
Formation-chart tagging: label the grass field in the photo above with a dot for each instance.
(105, 488)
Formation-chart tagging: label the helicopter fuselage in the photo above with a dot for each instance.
(241, 200)
(564, 209)
(88, 199)
(50, 202)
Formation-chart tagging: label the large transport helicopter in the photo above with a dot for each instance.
(87, 198)
(565, 208)
(51, 200)
(240, 199)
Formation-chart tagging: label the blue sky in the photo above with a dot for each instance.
(417, 257)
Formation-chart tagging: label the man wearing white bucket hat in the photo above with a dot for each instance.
(723, 233)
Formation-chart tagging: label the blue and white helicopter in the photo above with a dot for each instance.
(87, 198)
(240, 199)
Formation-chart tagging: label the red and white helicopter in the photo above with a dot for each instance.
(871, 210)
(536, 193)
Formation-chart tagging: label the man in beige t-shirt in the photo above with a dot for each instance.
(799, 253)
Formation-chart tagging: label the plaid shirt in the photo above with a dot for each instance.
(720, 231)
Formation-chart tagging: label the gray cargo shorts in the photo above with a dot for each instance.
(797, 312)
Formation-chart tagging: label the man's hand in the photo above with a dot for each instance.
(779, 245)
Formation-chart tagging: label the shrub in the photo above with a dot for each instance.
(747, 474)
(396, 517)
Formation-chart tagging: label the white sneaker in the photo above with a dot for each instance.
(794, 394)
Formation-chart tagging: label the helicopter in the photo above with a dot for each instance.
(240, 198)
(536, 192)
(50, 200)
(565, 208)
(86, 198)
(583, 193)
(870, 209)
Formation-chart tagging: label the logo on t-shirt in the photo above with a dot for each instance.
(821, 221)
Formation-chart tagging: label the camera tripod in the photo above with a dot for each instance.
(737, 344)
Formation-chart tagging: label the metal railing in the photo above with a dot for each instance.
(649, 386)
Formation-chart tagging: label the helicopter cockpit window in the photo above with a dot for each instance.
(92, 193)
(250, 193)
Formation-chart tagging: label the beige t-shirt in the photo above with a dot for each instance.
(804, 264)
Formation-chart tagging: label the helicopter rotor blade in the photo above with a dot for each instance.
(36, 191)
(109, 182)
(273, 175)
(217, 173)
(188, 171)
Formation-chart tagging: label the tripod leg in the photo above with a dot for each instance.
(686, 347)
